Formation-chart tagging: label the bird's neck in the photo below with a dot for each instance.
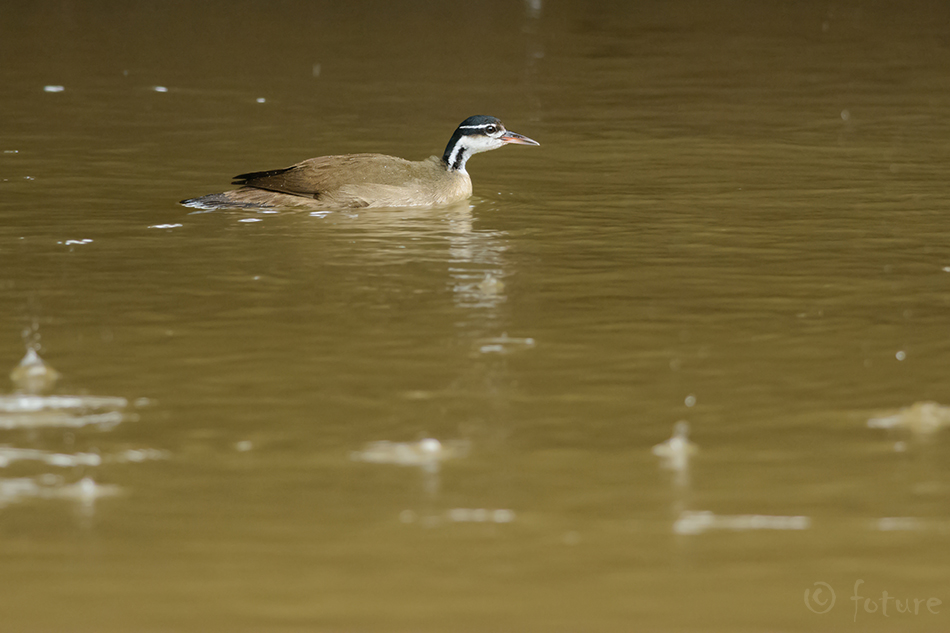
(457, 152)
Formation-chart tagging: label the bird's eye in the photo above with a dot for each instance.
(491, 129)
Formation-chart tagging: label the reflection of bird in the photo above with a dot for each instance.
(369, 180)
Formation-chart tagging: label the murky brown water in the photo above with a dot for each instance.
(737, 217)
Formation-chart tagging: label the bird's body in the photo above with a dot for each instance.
(369, 180)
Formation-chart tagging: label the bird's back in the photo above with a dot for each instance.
(363, 180)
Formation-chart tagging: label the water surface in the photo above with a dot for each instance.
(736, 218)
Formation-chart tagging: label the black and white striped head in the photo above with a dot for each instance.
(478, 133)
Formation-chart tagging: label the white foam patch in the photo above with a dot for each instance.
(504, 344)
(36, 411)
(85, 490)
(480, 515)
(427, 453)
(692, 522)
(9, 455)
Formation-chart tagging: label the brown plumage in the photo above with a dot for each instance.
(368, 180)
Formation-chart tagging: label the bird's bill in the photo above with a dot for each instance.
(517, 139)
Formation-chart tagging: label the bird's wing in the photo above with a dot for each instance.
(328, 175)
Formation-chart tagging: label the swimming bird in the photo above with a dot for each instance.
(369, 180)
